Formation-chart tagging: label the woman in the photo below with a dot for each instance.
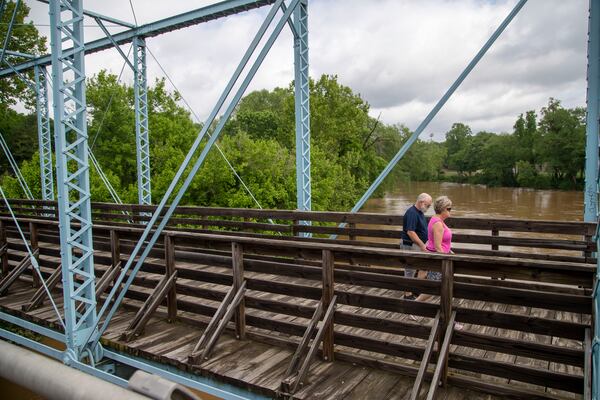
(439, 236)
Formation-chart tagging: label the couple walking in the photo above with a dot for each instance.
(434, 237)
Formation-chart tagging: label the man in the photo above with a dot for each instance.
(414, 233)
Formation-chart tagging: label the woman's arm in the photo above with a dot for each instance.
(438, 233)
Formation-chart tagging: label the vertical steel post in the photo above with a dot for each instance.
(593, 110)
(72, 173)
(141, 121)
(302, 96)
(44, 137)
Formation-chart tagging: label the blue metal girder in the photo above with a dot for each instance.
(198, 16)
(72, 172)
(184, 166)
(141, 121)
(302, 109)
(406, 146)
(592, 186)
(593, 114)
(44, 135)
(9, 32)
(100, 16)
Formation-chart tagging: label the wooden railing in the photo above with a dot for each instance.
(550, 240)
(371, 280)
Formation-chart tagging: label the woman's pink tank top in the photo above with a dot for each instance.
(446, 237)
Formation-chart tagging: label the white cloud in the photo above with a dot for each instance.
(401, 56)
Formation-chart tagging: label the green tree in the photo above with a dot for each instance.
(24, 38)
(562, 144)
(458, 139)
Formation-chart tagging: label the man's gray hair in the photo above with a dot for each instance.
(423, 197)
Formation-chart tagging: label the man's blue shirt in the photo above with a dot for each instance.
(414, 220)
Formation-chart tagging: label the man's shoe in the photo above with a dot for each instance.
(410, 297)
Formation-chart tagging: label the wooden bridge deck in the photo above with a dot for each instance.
(524, 298)
(259, 362)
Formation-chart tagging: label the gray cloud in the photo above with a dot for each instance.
(400, 56)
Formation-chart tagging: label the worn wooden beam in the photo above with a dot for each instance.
(4, 245)
(223, 323)
(35, 245)
(292, 369)
(170, 271)
(12, 276)
(40, 294)
(145, 312)
(237, 259)
(301, 378)
(194, 356)
(587, 369)
(442, 358)
(426, 357)
(328, 286)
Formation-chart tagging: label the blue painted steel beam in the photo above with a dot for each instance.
(198, 16)
(9, 31)
(112, 40)
(406, 146)
(44, 135)
(100, 16)
(142, 140)
(207, 385)
(184, 166)
(19, 54)
(302, 110)
(72, 173)
(593, 114)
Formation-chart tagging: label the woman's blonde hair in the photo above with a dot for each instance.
(441, 203)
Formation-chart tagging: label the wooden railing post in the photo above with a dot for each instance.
(351, 226)
(495, 232)
(170, 270)
(115, 247)
(446, 296)
(33, 240)
(4, 242)
(328, 292)
(237, 260)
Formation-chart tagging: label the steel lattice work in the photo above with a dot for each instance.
(141, 121)
(44, 135)
(77, 254)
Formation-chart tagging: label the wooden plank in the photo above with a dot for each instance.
(237, 259)
(327, 297)
(4, 244)
(536, 376)
(170, 271)
(297, 357)
(34, 244)
(524, 348)
(10, 279)
(226, 318)
(531, 298)
(212, 325)
(446, 298)
(145, 312)
(587, 391)
(300, 379)
(442, 358)
(426, 357)
(542, 326)
(38, 297)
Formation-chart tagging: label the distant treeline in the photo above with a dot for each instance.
(349, 148)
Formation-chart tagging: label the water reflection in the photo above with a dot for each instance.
(481, 201)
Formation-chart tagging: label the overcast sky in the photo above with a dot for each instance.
(399, 55)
